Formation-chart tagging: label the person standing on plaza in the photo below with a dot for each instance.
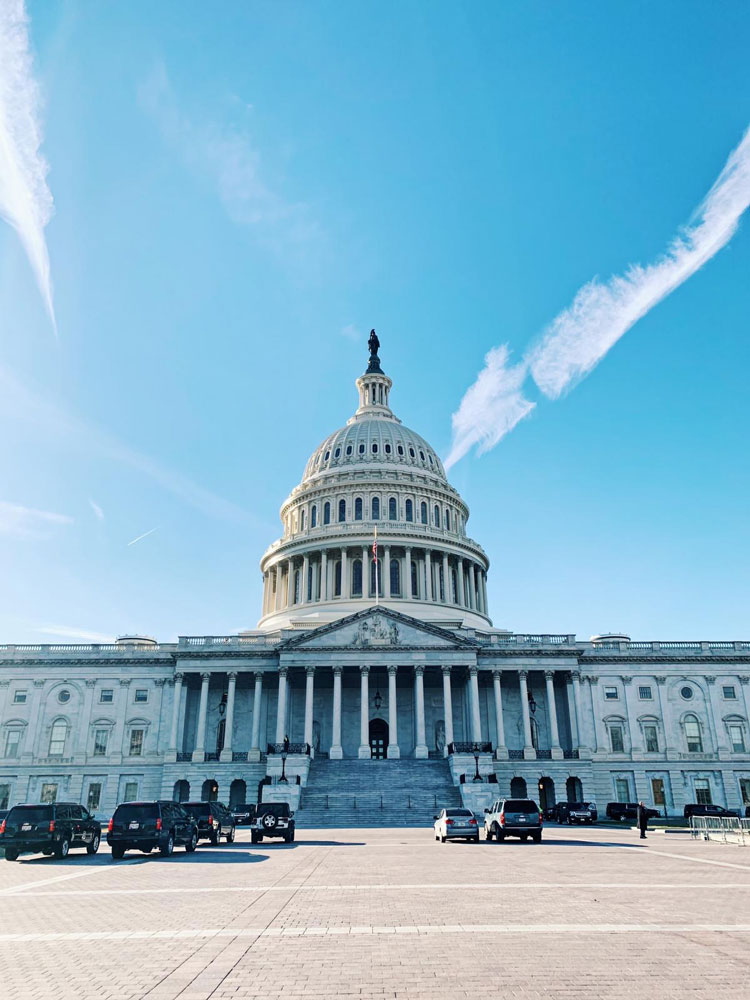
(642, 819)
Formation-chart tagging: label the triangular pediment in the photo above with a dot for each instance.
(379, 628)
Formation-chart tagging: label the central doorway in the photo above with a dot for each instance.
(378, 739)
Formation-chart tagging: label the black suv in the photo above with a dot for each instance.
(213, 820)
(273, 819)
(708, 809)
(142, 826)
(49, 829)
(622, 811)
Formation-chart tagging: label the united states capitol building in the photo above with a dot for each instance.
(375, 689)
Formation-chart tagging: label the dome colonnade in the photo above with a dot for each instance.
(372, 475)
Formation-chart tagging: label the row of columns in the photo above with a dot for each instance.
(279, 589)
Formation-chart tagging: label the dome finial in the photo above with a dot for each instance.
(374, 344)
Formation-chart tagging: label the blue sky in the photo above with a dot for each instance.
(242, 190)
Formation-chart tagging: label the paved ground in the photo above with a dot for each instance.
(373, 914)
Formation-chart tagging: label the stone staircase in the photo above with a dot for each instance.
(359, 793)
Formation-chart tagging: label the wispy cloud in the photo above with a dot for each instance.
(600, 314)
(25, 199)
(97, 510)
(351, 332)
(28, 522)
(70, 632)
(144, 535)
(226, 154)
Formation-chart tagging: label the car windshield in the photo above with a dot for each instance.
(30, 814)
(520, 806)
(136, 810)
(578, 805)
(458, 812)
(197, 808)
(277, 808)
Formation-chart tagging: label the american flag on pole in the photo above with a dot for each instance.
(375, 546)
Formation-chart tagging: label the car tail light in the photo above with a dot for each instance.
(541, 819)
(2, 827)
(472, 822)
(502, 819)
(210, 820)
(51, 826)
(158, 823)
(110, 825)
(449, 822)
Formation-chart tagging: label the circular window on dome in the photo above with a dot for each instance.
(421, 454)
(374, 447)
(361, 449)
(686, 692)
(400, 449)
(326, 456)
(387, 449)
(411, 453)
(348, 449)
(337, 453)
(63, 696)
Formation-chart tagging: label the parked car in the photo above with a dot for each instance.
(273, 819)
(244, 814)
(142, 826)
(49, 828)
(513, 818)
(581, 812)
(454, 824)
(708, 809)
(622, 811)
(213, 820)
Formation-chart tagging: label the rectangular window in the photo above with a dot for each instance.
(136, 742)
(610, 693)
(106, 696)
(131, 791)
(101, 738)
(652, 739)
(622, 789)
(141, 695)
(644, 693)
(730, 692)
(745, 791)
(657, 791)
(19, 697)
(94, 796)
(693, 736)
(615, 738)
(5, 796)
(49, 793)
(57, 739)
(13, 743)
(737, 737)
(702, 791)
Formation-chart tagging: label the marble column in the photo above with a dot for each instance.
(324, 575)
(303, 592)
(385, 569)
(447, 598)
(576, 682)
(447, 708)
(470, 586)
(200, 742)
(483, 578)
(277, 595)
(717, 728)
(461, 584)
(394, 751)
(501, 750)
(345, 589)
(281, 706)
(476, 723)
(336, 752)
(365, 571)
(420, 750)
(257, 698)
(364, 713)
(428, 575)
(407, 591)
(554, 733)
(529, 752)
(290, 583)
(309, 693)
(226, 751)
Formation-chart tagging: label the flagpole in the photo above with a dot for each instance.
(377, 568)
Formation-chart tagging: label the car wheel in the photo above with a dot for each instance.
(500, 837)
(167, 848)
(253, 837)
(192, 843)
(214, 838)
(93, 847)
(537, 838)
(443, 839)
(475, 840)
(11, 854)
(496, 832)
(147, 850)
(291, 836)
(61, 851)
(488, 834)
(117, 853)
(230, 836)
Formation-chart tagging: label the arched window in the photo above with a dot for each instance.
(392, 509)
(423, 512)
(314, 517)
(357, 578)
(395, 578)
(374, 447)
(57, 738)
(376, 572)
(327, 512)
(693, 735)
(296, 598)
(303, 520)
(181, 791)
(376, 508)
(437, 516)
(440, 583)
(210, 790)
(337, 579)
(454, 587)
(447, 521)
(342, 510)
(518, 788)
(358, 509)
(409, 510)
(414, 580)
(362, 449)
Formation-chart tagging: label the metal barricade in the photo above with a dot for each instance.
(725, 829)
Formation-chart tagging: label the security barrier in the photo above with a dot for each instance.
(726, 829)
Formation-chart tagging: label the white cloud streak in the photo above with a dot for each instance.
(350, 332)
(18, 521)
(70, 632)
(144, 535)
(576, 340)
(25, 199)
(97, 510)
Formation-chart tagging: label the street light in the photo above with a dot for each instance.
(477, 775)
(532, 703)
(283, 769)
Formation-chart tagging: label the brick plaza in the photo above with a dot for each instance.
(369, 914)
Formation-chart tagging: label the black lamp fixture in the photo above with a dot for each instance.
(532, 703)
(377, 700)
(283, 777)
(223, 704)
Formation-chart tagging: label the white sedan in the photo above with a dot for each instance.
(453, 824)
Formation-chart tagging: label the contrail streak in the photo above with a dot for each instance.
(144, 535)
(25, 199)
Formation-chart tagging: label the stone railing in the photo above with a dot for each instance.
(227, 641)
(528, 640)
(184, 757)
(466, 747)
(515, 755)
(337, 532)
(571, 755)
(289, 748)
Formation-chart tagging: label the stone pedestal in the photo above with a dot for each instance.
(394, 751)
(529, 753)
(557, 753)
(421, 752)
(501, 753)
(336, 753)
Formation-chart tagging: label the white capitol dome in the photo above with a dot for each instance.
(374, 475)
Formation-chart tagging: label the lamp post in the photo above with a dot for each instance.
(283, 769)
(477, 775)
